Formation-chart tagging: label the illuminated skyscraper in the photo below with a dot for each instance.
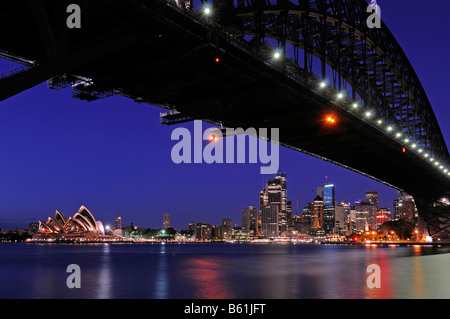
(404, 207)
(316, 214)
(277, 195)
(166, 221)
(365, 216)
(342, 217)
(328, 208)
(118, 223)
(227, 228)
(250, 219)
(269, 220)
(372, 197)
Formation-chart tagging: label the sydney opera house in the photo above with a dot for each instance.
(80, 227)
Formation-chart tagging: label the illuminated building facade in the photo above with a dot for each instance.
(328, 208)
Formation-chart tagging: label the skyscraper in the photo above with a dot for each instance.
(372, 197)
(365, 216)
(118, 223)
(328, 208)
(307, 213)
(404, 207)
(342, 217)
(269, 220)
(166, 221)
(227, 228)
(277, 195)
(316, 214)
(250, 219)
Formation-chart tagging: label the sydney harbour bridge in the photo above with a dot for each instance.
(336, 87)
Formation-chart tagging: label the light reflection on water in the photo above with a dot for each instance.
(223, 271)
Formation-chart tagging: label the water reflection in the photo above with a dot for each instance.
(161, 280)
(208, 277)
(224, 271)
(379, 256)
(105, 279)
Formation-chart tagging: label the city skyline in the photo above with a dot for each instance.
(110, 154)
(236, 219)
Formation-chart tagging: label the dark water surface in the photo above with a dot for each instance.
(212, 271)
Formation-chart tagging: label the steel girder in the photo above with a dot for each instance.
(369, 60)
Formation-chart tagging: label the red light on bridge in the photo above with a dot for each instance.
(330, 119)
(404, 150)
(217, 60)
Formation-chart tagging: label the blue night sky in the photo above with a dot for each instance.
(113, 155)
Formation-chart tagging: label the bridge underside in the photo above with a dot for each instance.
(173, 65)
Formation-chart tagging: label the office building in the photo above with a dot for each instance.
(342, 217)
(365, 216)
(316, 214)
(269, 220)
(227, 228)
(118, 223)
(166, 221)
(372, 197)
(328, 208)
(404, 207)
(250, 219)
(201, 231)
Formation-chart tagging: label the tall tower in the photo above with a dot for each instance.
(316, 214)
(329, 208)
(166, 221)
(269, 220)
(277, 195)
(372, 197)
(118, 223)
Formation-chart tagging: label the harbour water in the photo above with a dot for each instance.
(223, 271)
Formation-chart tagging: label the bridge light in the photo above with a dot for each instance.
(355, 105)
(340, 96)
(323, 84)
(217, 60)
(398, 134)
(330, 119)
(380, 121)
(406, 140)
(389, 128)
(426, 155)
(445, 170)
(368, 114)
(413, 146)
(431, 159)
(420, 150)
(207, 11)
(404, 150)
